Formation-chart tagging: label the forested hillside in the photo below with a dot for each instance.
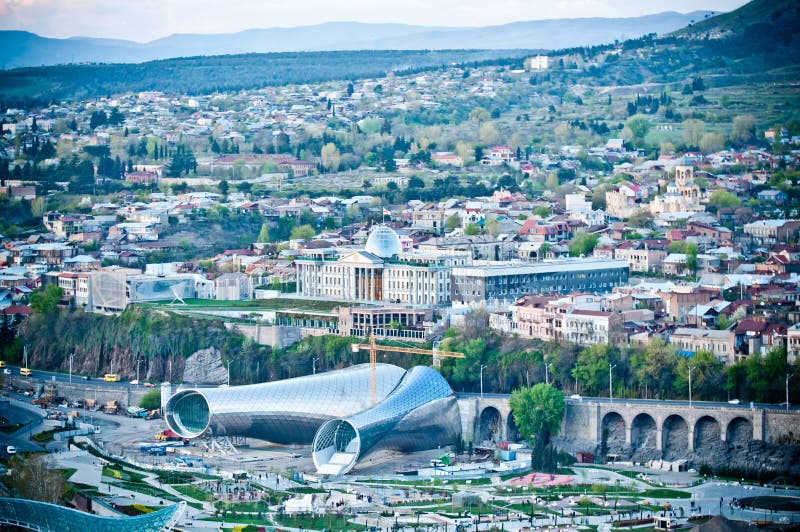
(163, 340)
(199, 75)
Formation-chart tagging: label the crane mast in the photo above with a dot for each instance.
(373, 349)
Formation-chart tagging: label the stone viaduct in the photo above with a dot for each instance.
(669, 427)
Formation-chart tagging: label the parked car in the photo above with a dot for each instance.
(10, 449)
(7, 371)
(135, 382)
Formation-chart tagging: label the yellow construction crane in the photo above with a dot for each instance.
(373, 357)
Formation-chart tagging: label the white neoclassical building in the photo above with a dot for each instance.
(380, 273)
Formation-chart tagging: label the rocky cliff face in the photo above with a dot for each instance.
(205, 367)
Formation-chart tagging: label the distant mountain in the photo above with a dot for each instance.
(21, 48)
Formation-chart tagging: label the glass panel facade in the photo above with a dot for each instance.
(421, 413)
(288, 411)
(50, 517)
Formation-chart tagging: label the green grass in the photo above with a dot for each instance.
(119, 473)
(146, 489)
(327, 521)
(255, 304)
(194, 492)
(249, 506)
(661, 493)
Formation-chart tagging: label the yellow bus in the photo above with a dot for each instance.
(2, 364)
(111, 377)
(25, 372)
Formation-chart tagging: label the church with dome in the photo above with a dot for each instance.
(381, 272)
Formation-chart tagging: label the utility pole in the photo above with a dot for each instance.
(138, 361)
(483, 366)
(229, 372)
(70, 367)
(547, 374)
(610, 383)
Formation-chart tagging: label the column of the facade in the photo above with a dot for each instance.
(372, 284)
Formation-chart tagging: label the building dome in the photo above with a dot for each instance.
(383, 242)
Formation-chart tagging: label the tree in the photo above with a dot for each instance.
(151, 400)
(263, 235)
(223, 187)
(45, 300)
(479, 115)
(591, 368)
(302, 232)
(32, 477)
(330, 157)
(415, 182)
(543, 211)
(492, 227)
(711, 142)
(453, 221)
(642, 218)
(693, 131)
(488, 133)
(472, 229)
(582, 244)
(744, 128)
(639, 126)
(721, 198)
(706, 375)
(538, 411)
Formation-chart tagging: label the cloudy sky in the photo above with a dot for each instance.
(144, 20)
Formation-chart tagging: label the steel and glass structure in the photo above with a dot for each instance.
(421, 413)
(287, 411)
(42, 516)
(414, 410)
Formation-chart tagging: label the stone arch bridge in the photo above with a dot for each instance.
(671, 428)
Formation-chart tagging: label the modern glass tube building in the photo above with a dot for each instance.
(414, 410)
(287, 411)
(421, 413)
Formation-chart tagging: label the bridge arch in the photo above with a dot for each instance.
(739, 431)
(707, 431)
(512, 431)
(490, 424)
(613, 432)
(644, 432)
(674, 437)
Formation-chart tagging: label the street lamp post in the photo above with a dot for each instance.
(138, 361)
(610, 383)
(70, 367)
(314, 365)
(691, 368)
(229, 372)
(788, 376)
(483, 366)
(547, 373)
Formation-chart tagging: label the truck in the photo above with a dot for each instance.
(446, 459)
(110, 407)
(167, 435)
(135, 411)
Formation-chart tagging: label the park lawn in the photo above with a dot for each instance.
(318, 522)
(121, 474)
(662, 493)
(249, 506)
(146, 489)
(194, 492)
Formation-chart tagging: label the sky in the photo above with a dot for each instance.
(145, 20)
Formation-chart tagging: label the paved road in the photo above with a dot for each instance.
(31, 419)
(38, 374)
